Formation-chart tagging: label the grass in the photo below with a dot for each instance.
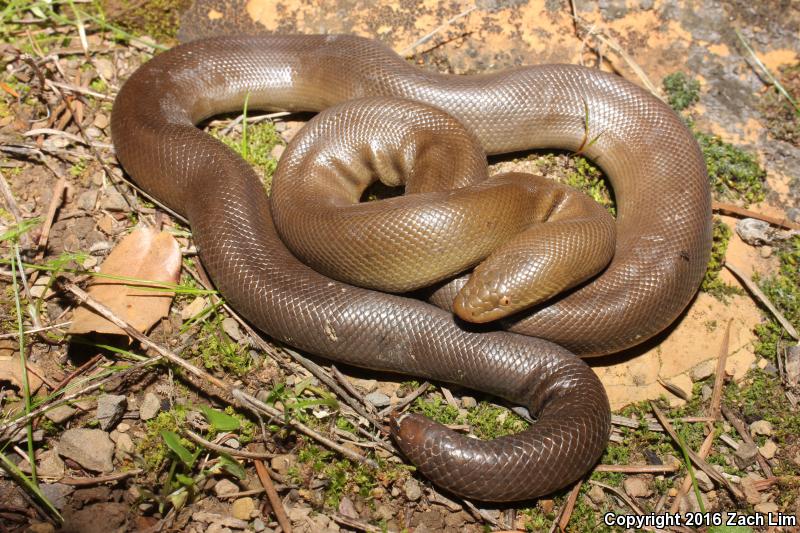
(783, 289)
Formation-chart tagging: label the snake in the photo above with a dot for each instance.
(532, 357)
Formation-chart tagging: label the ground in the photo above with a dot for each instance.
(730, 68)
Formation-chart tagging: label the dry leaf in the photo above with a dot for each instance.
(11, 367)
(145, 254)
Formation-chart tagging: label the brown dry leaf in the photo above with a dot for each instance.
(145, 254)
(11, 367)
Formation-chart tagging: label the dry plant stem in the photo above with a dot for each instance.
(419, 391)
(35, 330)
(569, 506)
(686, 485)
(719, 378)
(352, 523)
(86, 481)
(250, 402)
(78, 371)
(695, 457)
(14, 425)
(736, 211)
(737, 423)
(272, 494)
(244, 454)
(341, 378)
(224, 391)
(753, 288)
(407, 51)
(620, 494)
(10, 201)
(638, 469)
(480, 514)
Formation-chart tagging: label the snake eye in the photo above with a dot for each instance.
(505, 300)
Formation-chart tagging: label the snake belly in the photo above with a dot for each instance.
(662, 247)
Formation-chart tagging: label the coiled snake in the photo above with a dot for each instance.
(663, 228)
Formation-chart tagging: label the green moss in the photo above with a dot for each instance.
(734, 173)
(158, 19)
(587, 177)
(681, 90)
(152, 447)
(217, 351)
(436, 408)
(783, 289)
(490, 421)
(261, 139)
(712, 283)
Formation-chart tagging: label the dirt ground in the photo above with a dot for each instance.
(121, 453)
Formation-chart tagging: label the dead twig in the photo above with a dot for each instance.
(87, 481)
(753, 288)
(569, 506)
(244, 454)
(638, 469)
(406, 400)
(737, 423)
(719, 378)
(272, 495)
(736, 211)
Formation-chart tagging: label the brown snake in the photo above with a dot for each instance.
(663, 234)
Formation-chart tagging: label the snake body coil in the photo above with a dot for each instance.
(663, 235)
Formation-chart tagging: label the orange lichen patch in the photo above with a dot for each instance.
(213, 14)
(775, 59)
(694, 343)
(264, 12)
(720, 49)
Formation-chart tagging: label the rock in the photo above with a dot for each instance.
(751, 493)
(60, 414)
(636, 487)
(767, 507)
(298, 513)
(124, 448)
(110, 408)
(57, 493)
(97, 518)
(231, 327)
(378, 399)
(87, 200)
(90, 448)
(688, 503)
(277, 151)
(765, 251)
(259, 525)
(468, 402)
(122, 427)
(384, 512)
(242, 507)
(50, 465)
(100, 121)
(151, 405)
(40, 527)
(113, 201)
(432, 520)
(769, 449)
(347, 508)
(597, 495)
(92, 494)
(412, 489)
(282, 463)
(754, 232)
(761, 427)
(745, 455)
(104, 67)
(706, 392)
(225, 487)
(703, 481)
(704, 370)
(194, 307)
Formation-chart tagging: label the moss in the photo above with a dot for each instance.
(261, 139)
(490, 421)
(152, 447)
(218, 352)
(712, 283)
(587, 177)
(436, 408)
(783, 289)
(158, 19)
(681, 90)
(734, 173)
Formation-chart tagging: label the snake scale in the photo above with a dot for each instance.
(663, 232)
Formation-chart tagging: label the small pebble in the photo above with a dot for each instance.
(378, 399)
(761, 427)
(745, 455)
(769, 449)
(636, 487)
(703, 481)
(224, 487)
(468, 402)
(151, 405)
(242, 508)
(767, 508)
(412, 489)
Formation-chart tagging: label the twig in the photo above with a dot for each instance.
(35, 330)
(224, 391)
(13, 208)
(406, 52)
(737, 423)
(352, 523)
(705, 449)
(406, 400)
(569, 506)
(479, 514)
(719, 378)
(341, 378)
(735, 210)
(695, 457)
(86, 481)
(620, 494)
(272, 494)
(638, 469)
(224, 449)
(753, 288)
